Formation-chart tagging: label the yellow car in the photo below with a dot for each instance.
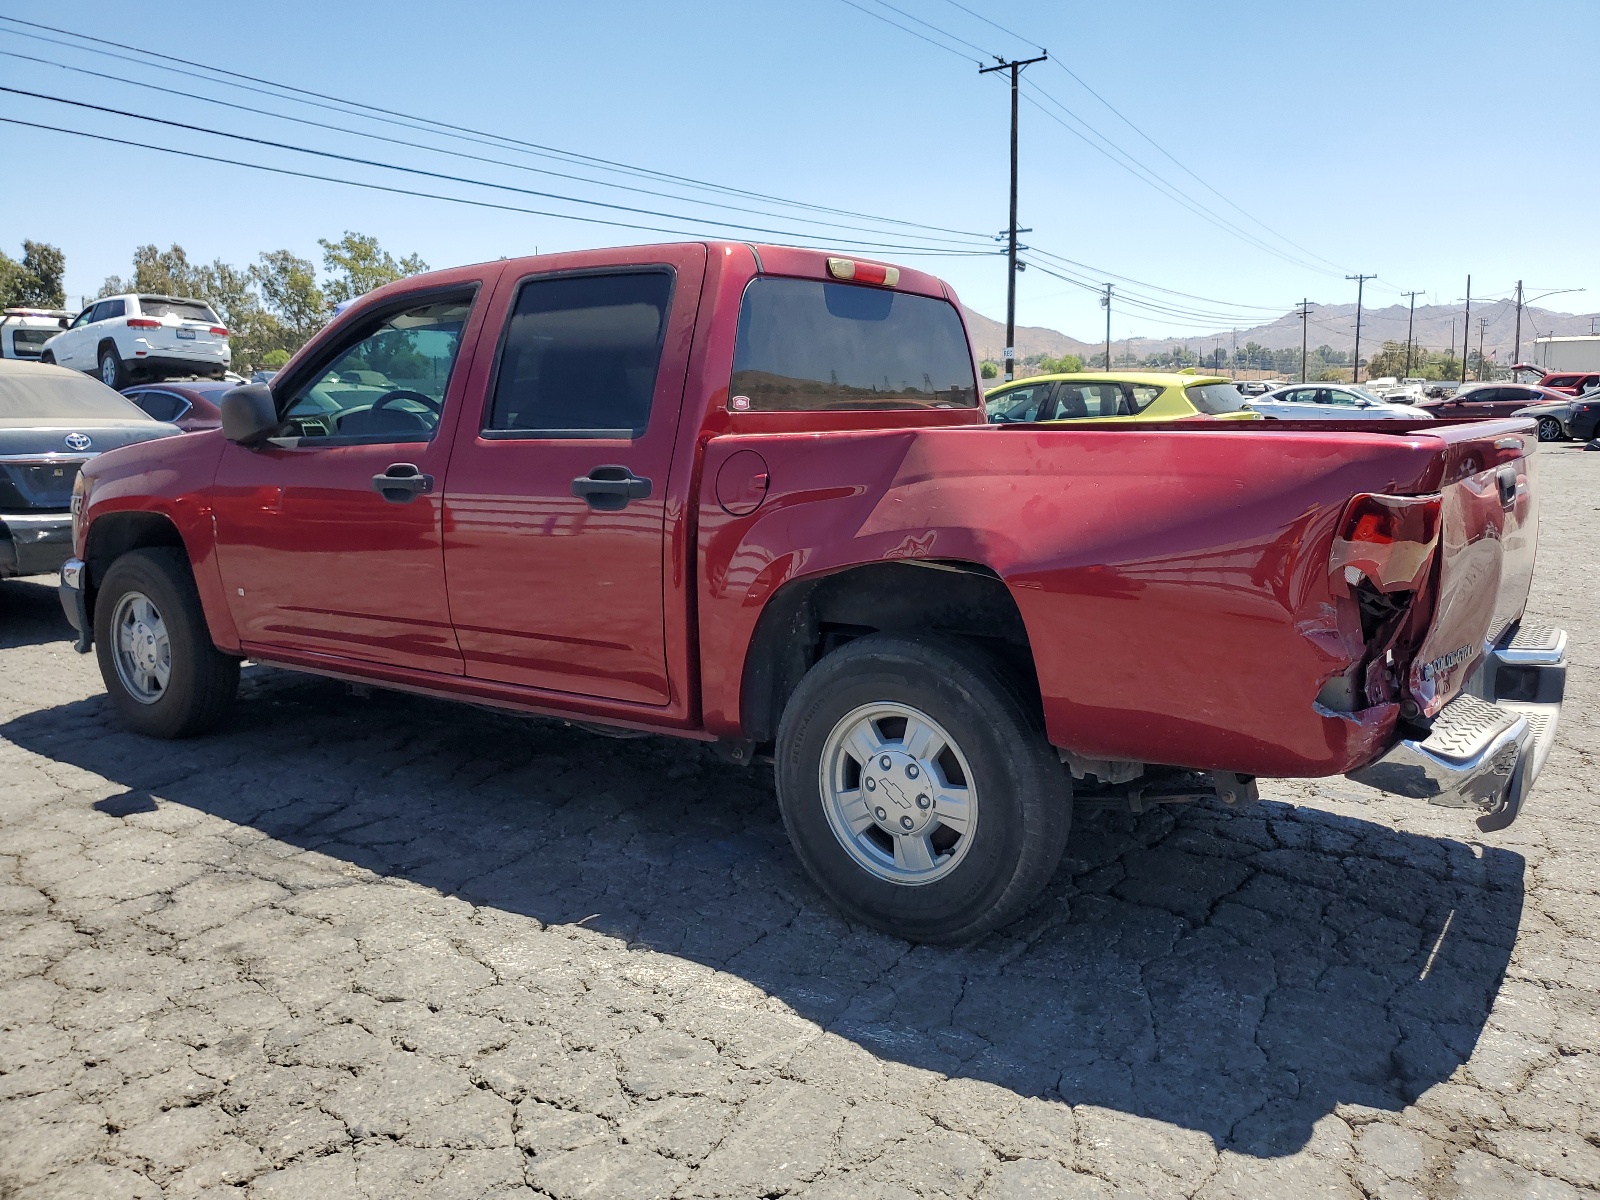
(1117, 396)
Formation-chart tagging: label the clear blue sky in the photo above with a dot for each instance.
(1420, 141)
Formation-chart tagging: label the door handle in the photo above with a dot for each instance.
(402, 483)
(1507, 479)
(608, 489)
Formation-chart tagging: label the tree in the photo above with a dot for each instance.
(35, 282)
(356, 264)
(1067, 364)
(290, 295)
(989, 370)
(1391, 360)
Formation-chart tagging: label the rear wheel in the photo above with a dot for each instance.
(48, 358)
(1550, 430)
(918, 789)
(112, 373)
(160, 668)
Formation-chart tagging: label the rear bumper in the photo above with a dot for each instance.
(1488, 745)
(166, 366)
(34, 543)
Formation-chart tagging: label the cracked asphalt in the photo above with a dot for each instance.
(383, 947)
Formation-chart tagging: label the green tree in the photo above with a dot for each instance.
(1391, 360)
(35, 282)
(273, 359)
(989, 370)
(356, 264)
(1067, 364)
(290, 295)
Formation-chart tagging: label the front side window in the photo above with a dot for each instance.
(390, 384)
(1215, 398)
(84, 317)
(580, 356)
(1017, 405)
(809, 346)
(1341, 399)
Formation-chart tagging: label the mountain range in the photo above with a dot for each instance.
(1437, 327)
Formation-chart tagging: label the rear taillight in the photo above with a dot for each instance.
(219, 330)
(143, 323)
(1388, 540)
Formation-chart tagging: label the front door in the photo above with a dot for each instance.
(555, 505)
(329, 536)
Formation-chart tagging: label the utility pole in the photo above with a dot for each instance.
(1411, 321)
(1483, 324)
(1305, 315)
(1361, 282)
(1233, 358)
(1466, 334)
(1105, 302)
(1516, 349)
(1015, 67)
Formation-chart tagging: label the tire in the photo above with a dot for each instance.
(1019, 796)
(201, 682)
(112, 373)
(1550, 430)
(48, 358)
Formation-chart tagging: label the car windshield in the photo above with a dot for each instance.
(1215, 398)
(42, 394)
(188, 310)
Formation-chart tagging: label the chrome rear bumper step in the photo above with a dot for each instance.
(1486, 754)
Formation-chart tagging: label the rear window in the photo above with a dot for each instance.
(1215, 398)
(807, 345)
(36, 393)
(1561, 380)
(187, 310)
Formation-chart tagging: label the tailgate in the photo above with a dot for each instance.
(1488, 536)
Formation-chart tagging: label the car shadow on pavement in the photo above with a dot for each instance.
(1238, 973)
(30, 614)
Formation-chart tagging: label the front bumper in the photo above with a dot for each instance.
(1488, 745)
(75, 601)
(34, 543)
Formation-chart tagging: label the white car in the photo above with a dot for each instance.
(24, 331)
(1330, 402)
(122, 338)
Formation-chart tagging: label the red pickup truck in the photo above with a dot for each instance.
(745, 494)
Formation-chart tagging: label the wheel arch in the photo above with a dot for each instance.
(811, 616)
(115, 534)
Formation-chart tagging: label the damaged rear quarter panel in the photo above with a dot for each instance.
(1173, 581)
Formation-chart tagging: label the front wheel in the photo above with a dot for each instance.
(48, 358)
(918, 789)
(160, 668)
(1550, 430)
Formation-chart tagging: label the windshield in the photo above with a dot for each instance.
(1215, 398)
(53, 395)
(188, 310)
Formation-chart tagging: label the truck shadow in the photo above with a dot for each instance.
(1236, 973)
(30, 614)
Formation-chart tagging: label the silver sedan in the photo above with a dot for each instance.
(1332, 402)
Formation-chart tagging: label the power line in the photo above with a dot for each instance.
(423, 124)
(399, 191)
(439, 175)
(442, 150)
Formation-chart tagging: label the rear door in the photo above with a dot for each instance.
(329, 538)
(555, 501)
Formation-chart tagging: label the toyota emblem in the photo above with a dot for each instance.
(77, 441)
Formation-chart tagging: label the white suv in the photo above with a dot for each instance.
(120, 338)
(24, 331)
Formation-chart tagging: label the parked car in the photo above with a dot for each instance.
(24, 331)
(1331, 402)
(1566, 418)
(1491, 400)
(746, 494)
(189, 406)
(123, 338)
(1572, 383)
(52, 421)
(1116, 396)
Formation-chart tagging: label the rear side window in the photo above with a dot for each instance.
(580, 356)
(107, 309)
(163, 406)
(809, 346)
(29, 343)
(1215, 398)
(187, 310)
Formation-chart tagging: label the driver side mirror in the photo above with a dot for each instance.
(249, 414)
(64, 322)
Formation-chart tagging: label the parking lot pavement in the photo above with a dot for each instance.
(389, 947)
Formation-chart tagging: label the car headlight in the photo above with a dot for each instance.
(81, 487)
